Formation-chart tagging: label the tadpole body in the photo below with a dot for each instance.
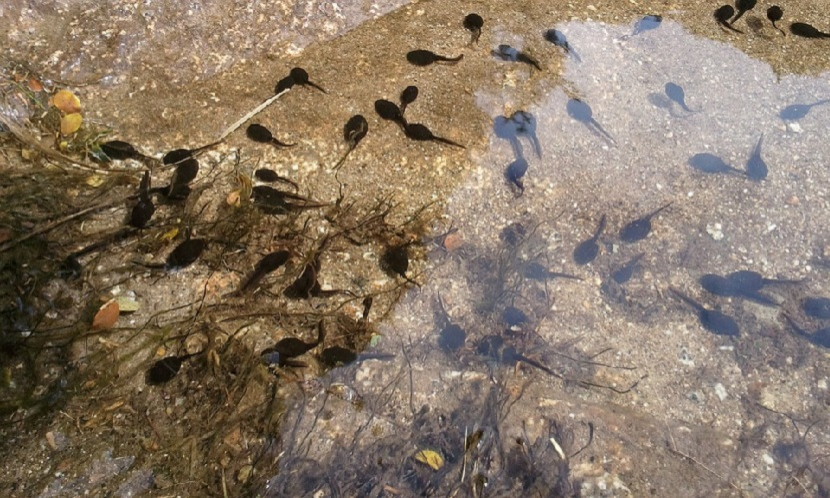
(508, 53)
(300, 77)
(640, 228)
(390, 111)
(514, 173)
(292, 347)
(756, 168)
(712, 320)
(723, 14)
(805, 30)
(261, 134)
(743, 6)
(558, 38)
(624, 273)
(264, 266)
(425, 58)
(473, 23)
(580, 111)
(408, 96)
(710, 163)
(354, 131)
(794, 112)
(421, 133)
(775, 14)
(143, 210)
(676, 93)
(120, 150)
(185, 254)
(588, 249)
(166, 369)
(176, 156)
(647, 23)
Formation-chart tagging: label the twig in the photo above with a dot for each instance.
(232, 128)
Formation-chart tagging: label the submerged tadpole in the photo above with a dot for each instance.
(354, 131)
(508, 53)
(473, 23)
(261, 134)
(425, 58)
(588, 249)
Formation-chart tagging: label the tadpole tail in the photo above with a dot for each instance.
(686, 299)
(535, 363)
(779, 29)
(602, 131)
(318, 87)
(474, 37)
(729, 26)
(343, 159)
(599, 229)
(554, 274)
(279, 143)
(448, 60)
(735, 19)
(448, 142)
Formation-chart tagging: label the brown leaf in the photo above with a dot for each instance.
(35, 85)
(106, 317)
(66, 102)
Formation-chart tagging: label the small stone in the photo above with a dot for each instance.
(715, 230)
(720, 391)
(793, 201)
(794, 127)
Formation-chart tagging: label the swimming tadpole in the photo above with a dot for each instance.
(647, 23)
(580, 111)
(390, 111)
(185, 254)
(271, 176)
(743, 6)
(710, 163)
(756, 168)
(425, 58)
(819, 338)
(514, 173)
(473, 23)
(640, 228)
(775, 14)
(508, 53)
(794, 112)
(421, 133)
(299, 76)
(176, 156)
(816, 307)
(712, 320)
(536, 271)
(121, 150)
(143, 210)
(264, 266)
(354, 131)
(261, 134)
(408, 96)
(624, 273)
(558, 38)
(166, 369)
(292, 347)
(588, 249)
(451, 336)
(723, 14)
(805, 30)
(676, 94)
(395, 261)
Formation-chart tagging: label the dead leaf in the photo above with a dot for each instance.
(431, 458)
(453, 241)
(127, 304)
(233, 199)
(245, 473)
(70, 123)
(50, 438)
(170, 235)
(35, 85)
(107, 316)
(66, 102)
(118, 404)
(95, 181)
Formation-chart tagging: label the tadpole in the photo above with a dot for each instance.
(710, 163)
(354, 131)
(425, 58)
(582, 112)
(805, 30)
(419, 132)
(820, 337)
(264, 266)
(514, 173)
(723, 14)
(452, 337)
(647, 23)
(185, 172)
(514, 318)
(261, 134)
(395, 261)
(794, 112)
(714, 321)
(273, 201)
(756, 168)
(743, 7)
(390, 111)
(775, 14)
(535, 271)
(624, 273)
(120, 150)
(675, 93)
(300, 77)
(752, 281)
(558, 38)
(291, 347)
(816, 307)
(337, 356)
(185, 254)
(473, 23)
(508, 53)
(588, 249)
(165, 369)
(176, 156)
(510, 356)
(408, 96)
(640, 228)
(143, 210)
(271, 176)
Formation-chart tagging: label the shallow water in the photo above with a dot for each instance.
(664, 406)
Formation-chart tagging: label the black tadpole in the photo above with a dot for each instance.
(121, 150)
(712, 320)
(723, 14)
(300, 77)
(291, 347)
(588, 249)
(639, 229)
(271, 176)
(535, 271)
(756, 168)
(395, 261)
(819, 338)
(743, 7)
(473, 23)
(794, 112)
(710, 163)
(425, 58)
(514, 173)
(176, 156)
(185, 254)
(805, 30)
(354, 131)
(775, 14)
(676, 93)
(264, 266)
(390, 111)
(419, 132)
(647, 23)
(165, 369)
(408, 96)
(816, 307)
(508, 53)
(452, 337)
(624, 273)
(558, 38)
(580, 111)
(261, 134)
(143, 210)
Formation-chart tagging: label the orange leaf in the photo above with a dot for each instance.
(35, 85)
(66, 102)
(106, 317)
(70, 123)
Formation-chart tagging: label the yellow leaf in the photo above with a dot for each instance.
(107, 316)
(70, 123)
(170, 235)
(233, 199)
(67, 102)
(127, 304)
(431, 458)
